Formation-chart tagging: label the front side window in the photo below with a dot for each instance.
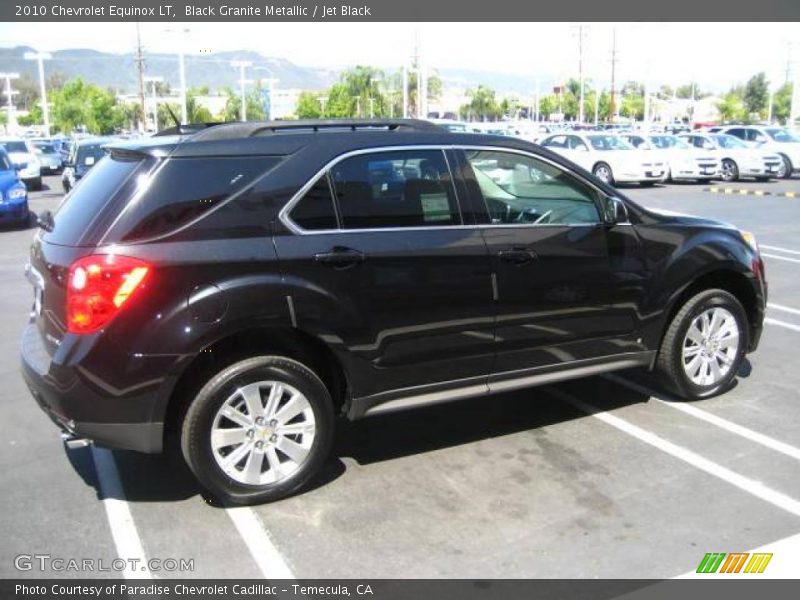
(729, 142)
(519, 189)
(315, 210)
(406, 188)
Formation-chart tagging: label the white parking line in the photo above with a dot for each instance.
(751, 486)
(123, 529)
(776, 257)
(779, 249)
(753, 436)
(780, 323)
(788, 309)
(267, 556)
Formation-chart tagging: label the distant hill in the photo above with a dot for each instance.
(214, 70)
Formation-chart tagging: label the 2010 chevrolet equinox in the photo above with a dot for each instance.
(244, 284)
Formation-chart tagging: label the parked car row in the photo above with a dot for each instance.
(726, 152)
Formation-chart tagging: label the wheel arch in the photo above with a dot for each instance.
(727, 279)
(244, 343)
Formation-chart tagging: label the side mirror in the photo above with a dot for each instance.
(615, 211)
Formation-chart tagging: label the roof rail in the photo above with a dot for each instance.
(256, 128)
(187, 129)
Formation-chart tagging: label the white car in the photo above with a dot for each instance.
(684, 162)
(22, 154)
(773, 139)
(737, 158)
(608, 157)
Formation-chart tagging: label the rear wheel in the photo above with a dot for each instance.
(604, 173)
(259, 430)
(704, 345)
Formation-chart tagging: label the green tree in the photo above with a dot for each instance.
(782, 103)
(482, 105)
(309, 106)
(82, 105)
(632, 106)
(731, 107)
(233, 105)
(756, 95)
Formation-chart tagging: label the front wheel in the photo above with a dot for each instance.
(259, 430)
(730, 170)
(785, 168)
(704, 345)
(604, 173)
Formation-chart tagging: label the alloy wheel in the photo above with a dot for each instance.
(710, 346)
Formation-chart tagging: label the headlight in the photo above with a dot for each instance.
(17, 193)
(750, 239)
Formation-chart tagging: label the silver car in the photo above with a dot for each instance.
(49, 157)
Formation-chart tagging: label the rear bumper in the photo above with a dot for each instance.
(87, 402)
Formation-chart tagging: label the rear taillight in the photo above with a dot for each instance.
(98, 287)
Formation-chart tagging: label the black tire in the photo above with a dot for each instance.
(730, 170)
(786, 168)
(670, 356)
(600, 170)
(198, 420)
(65, 185)
(36, 184)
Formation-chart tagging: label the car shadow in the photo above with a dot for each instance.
(166, 477)
(31, 223)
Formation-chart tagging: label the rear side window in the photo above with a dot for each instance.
(408, 188)
(87, 201)
(183, 189)
(315, 210)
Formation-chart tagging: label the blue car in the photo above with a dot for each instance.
(13, 193)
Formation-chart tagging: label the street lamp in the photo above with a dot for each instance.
(242, 65)
(182, 70)
(40, 57)
(153, 80)
(271, 81)
(9, 94)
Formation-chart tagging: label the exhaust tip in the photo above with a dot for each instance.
(72, 442)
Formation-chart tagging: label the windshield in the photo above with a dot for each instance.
(782, 136)
(14, 146)
(728, 141)
(668, 142)
(5, 164)
(45, 148)
(607, 142)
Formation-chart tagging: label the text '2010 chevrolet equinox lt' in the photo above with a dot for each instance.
(246, 284)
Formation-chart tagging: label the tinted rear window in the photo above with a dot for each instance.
(184, 189)
(93, 193)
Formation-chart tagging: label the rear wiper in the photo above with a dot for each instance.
(45, 220)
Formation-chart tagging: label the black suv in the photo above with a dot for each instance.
(246, 284)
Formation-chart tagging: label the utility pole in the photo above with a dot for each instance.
(794, 111)
(9, 95)
(40, 57)
(140, 67)
(405, 91)
(242, 65)
(613, 107)
(581, 32)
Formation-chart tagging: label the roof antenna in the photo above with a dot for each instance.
(174, 118)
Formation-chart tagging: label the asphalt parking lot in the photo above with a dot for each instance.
(603, 477)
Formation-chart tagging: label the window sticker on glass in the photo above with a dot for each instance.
(435, 207)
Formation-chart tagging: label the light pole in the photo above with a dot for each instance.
(271, 81)
(153, 81)
(405, 92)
(40, 57)
(9, 94)
(182, 70)
(242, 65)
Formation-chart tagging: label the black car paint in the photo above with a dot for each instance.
(426, 312)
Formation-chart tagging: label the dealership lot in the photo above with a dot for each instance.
(592, 478)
